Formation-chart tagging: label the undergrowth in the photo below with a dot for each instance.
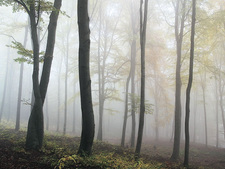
(104, 161)
(60, 152)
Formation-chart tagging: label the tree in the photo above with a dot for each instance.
(66, 78)
(143, 25)
(106, 74)
(134, 23)
(20, 85)
(35, 132)
(59, 101)
(5, 87)
(203, 86)
(87, 135)
(179, 31)
(125, 111)
(188, 91)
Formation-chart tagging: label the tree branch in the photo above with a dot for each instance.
(24, 5)
(39, 7)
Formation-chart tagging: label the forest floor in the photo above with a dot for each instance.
(59, 152)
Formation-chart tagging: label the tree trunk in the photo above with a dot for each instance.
(5, 85)
(88, 126)
(188, 91)
(35, 132)
(156, 109)
(179, 41)
(102, 85)
(143, 25)
(47, 114)
(134, 23)
(221, 102)
(125, 111)
(59, 101)
(101, 107)
(217, 115)
(133, 63)
(74, 109)
(99, 137)
(195, 113)
(205, 115)
(66, 81)
(20, 85)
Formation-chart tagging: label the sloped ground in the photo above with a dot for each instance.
(58, 151)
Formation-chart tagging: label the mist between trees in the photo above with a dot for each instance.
(115, 67)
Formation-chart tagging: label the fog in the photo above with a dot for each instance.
(111, 21)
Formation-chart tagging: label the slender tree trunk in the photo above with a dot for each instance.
(102, 88)
(188, 91)
(20, 85)
(66, 81)
(47, 114)
(133, 60)
(173, 129)
(5, 85)
(143, 25)
(125, 111)
(88, 126)
(134, 23)
(74, 108)
(156, 109)
(205, 114)
(101, 107)
(221, 102)
(59, 96)
(217, 115)
(9, 93)
(179, 41)
(195, 113)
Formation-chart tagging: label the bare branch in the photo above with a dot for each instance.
(24, 5)
(39, 8)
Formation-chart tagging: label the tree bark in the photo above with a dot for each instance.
(74, 109)
(188, 91)
(35, 132)
(217, 114)
(125, 111)
(195, 113)
(47, 113)
(59, 96)
(134, 23)
(143, 25)
(133, 65)
(221, 89)
(66, 81)
(88, 126)
(156, 92)
(5, 85)
(179, 41)
(99, 137)
(204, 106)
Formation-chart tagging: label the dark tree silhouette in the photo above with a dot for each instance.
(143, 25)
(88, 126)
(35, 132)
(188, 91)
(179, 32)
